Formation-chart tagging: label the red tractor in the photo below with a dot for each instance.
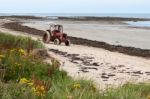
(56, 35)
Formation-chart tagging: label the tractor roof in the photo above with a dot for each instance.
(54, 25)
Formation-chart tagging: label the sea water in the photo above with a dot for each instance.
(139, 23)
(55, 15)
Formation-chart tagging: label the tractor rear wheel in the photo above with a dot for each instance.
(67, 42)
(46, 37)
(57, 42)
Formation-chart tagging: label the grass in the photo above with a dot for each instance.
(26, 77)
(9, 41)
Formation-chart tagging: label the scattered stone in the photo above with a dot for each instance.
(95, 64)
(128, 72)
(137, 72)
(103, 73)
(75, 62)
(105, 77)
(89, 68)
(123, 70)
(75, 57)
(105, 80)
(147, 72)
(113, 68)
(135, 75)
(101, 63)
(107, 63)
(83, 70)
(110, 75)
(121, 66)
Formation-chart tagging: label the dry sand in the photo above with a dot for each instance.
(105, 68)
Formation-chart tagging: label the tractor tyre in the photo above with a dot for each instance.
(46, 37)
(57, 42)
(67, 42)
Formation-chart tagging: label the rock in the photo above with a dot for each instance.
(39, 53)
(135, 75)
(110, 75)
(106, 77)
(95, 64)
(121, 66)
(103, 73)
(83, 70)
(113, 68)
(137, 72)
(147, 72)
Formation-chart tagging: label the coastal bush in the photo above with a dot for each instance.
(8, 41)
(27, 77)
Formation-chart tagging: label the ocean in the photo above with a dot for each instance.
(144, 15)
(55, 15)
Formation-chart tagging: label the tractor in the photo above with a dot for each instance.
(55, 34)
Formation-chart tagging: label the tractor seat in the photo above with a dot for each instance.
(56, 31)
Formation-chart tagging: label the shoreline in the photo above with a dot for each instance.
(80, 41)
(77, 18)
(85, 18)
(21, 17)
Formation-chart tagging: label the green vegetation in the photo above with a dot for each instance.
(129, 91)
(9, 41)
(26, 77)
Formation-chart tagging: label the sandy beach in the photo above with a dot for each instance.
(104, 67)
(112, 32)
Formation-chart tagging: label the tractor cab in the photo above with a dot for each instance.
(56, 28)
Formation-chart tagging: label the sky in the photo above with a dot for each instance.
(74, 6)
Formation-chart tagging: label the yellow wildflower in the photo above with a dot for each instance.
(148, 97)
(23, 81)
(33, 89)
(2, 56)
(30, 83)
(17, 64)
(12, 50)
(77, 86)
(40, 90)
(22, 52)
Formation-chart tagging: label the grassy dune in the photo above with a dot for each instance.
(26, 77)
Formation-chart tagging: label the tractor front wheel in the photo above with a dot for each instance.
(57, 42)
